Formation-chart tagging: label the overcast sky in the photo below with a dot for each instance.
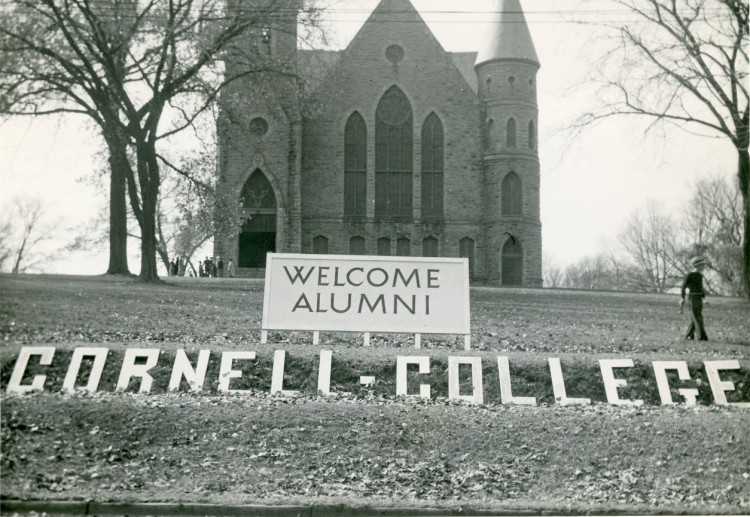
(589, 185)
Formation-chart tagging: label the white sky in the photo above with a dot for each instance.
(589, 187)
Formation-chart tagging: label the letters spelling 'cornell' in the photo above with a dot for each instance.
(366, 294)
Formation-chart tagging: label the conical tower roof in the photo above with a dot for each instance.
(508, 36)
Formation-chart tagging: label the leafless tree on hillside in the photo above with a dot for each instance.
(595, 273)
(22, 233)
(682, 62)
(713, 221)
(130, 66)
(650, 240)
(552, 273)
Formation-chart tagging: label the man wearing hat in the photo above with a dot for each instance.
(694, 284)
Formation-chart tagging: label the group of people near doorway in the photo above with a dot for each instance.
(216, 268)
(212, 267)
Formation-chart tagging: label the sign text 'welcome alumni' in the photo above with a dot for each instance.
(366, 294)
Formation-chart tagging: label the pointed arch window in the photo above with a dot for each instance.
(491, 135)
(403, 247)
(512, 262)
(511, 195)
(320, 245)
(510, 134)
(466, 249)
(355, 167)
(384, 246)
(532, 135)
(394, 156)
(357, 246)
(257, 192)
(432, 168)
(429, 247)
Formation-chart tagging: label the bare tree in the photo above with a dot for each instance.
(650, 239)
(591, 273)
(714, 224)
(552, 273)
(6, 250)
(130, 66)
(22, 234)
(683, 62)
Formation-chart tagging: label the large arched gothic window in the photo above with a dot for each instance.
(432, 168)
(511, 195)
(355, 167)
(512, 262)
(393, 156)
(510, 134)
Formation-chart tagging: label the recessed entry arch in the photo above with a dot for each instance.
(512, 262)
(258, 234)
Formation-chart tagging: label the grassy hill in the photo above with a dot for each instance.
(369, 447)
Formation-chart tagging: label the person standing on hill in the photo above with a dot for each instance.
(694, 284)
(230, 268)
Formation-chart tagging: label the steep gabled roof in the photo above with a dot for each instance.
(509, 36)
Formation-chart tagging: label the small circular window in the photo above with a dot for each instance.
(258, 127)
(511, 79)
(394, 53)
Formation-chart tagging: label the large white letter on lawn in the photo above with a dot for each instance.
(611, 384)
(277, 376)
(37, 384)
(506, 394)
(100, 356)
(558, 385)
(401, 369)
(324, 372)
(130, 369)
(718, 387)
(182, 368)
(226, 373)
(454, 386)
(662, 382)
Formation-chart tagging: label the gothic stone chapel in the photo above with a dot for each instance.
(392, 146)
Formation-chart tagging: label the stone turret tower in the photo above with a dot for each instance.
(506, 68)
(260, 136)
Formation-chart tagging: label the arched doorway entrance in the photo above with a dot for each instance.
(258, 235)
(512, 262)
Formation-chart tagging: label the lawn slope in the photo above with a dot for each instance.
(369, 447)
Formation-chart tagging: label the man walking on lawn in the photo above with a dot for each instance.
(694, 284)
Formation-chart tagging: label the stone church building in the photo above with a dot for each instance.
(392, 146)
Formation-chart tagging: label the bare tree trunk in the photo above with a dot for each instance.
(148, 237)
(744, 174)
(148, 172)
(118, 231)
(19, 256)
(743, 171)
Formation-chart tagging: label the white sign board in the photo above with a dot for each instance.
(366, 294)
